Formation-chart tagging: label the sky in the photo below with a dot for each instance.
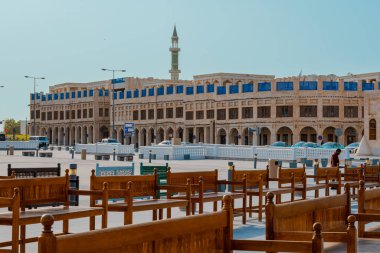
(71, 40)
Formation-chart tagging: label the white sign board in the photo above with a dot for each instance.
(129, 129)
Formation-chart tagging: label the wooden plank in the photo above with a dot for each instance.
(271, 245)
(139, 233)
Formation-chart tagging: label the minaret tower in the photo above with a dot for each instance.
(175, 51)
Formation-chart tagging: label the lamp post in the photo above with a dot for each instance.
(34, 101)
(113, 97)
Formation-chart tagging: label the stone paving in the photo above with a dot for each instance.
(253, 228)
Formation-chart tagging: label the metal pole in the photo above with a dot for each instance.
(34, 105)
(113, 105)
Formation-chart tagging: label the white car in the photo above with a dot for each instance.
(109, 141)
(165, 143)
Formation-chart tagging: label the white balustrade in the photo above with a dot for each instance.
(105, 148)
(19, 145)
(218, 151)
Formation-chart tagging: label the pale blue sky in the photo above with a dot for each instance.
(71, 40)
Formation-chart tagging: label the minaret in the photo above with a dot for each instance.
(175, 51)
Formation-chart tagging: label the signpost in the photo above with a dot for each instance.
(117, 80)
(129, 129)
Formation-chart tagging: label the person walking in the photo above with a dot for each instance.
(335, 158)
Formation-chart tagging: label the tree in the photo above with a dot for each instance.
(11, 126)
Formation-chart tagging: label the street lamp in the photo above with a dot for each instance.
(113, 97)
(34, 101)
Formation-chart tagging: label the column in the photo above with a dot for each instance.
(207, 135)
(185, 134)
(83, 135)
(240, 134)
(196, 132)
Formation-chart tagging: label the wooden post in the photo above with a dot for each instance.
(128, 219)
(156, 188)
(188, 196)
(200, 196)
(47, 238)
(92, 197)
(317, 240)
(304, 182)
(361, 201)
(293, 183)
(352, 246)
(245, 199)
(348, 196)
(269, 216)
(15, 220)
(67, 198)
(105, 206)
(227, 209)
(260, 207)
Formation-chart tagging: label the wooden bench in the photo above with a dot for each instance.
(301, 183)
(205, 189)
(149, 170)
(161, 171)
(206, 233)
(13, 203)
(31, 172)
(334, 177)
(115, 170)
(295, 220)
(258, 185)
(368, 210)
(37, 191)
(130, 187)
(371, 174)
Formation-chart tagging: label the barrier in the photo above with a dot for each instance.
(239, 152)
(115, 170)
(105, 148)
(19, 145)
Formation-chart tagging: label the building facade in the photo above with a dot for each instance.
(72, 113)
(213, 108)
(370, 144)
(220, 108)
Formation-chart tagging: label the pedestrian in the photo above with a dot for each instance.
(335, 158)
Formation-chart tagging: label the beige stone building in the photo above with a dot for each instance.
(72, 113)
(211, 108)
(220, 108)
(370, 143)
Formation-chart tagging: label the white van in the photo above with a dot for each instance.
(43, 141)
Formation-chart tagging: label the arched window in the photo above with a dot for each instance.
(372, 129)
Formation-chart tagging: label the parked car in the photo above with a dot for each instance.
(165, 143)
(352, 147)
(43, 141)
(279, 144)
(298, 144)
(109, 141)
(2, 137)
(332, 145)
(186, 143)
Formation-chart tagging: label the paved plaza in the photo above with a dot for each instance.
(253, 228)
